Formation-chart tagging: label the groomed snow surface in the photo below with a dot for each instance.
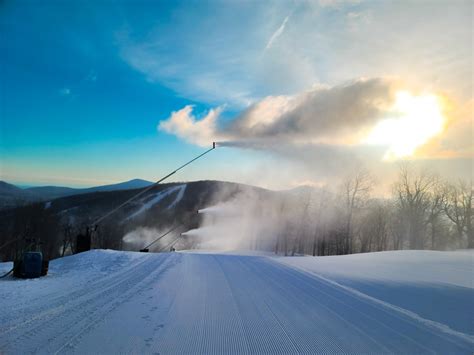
(102, 301)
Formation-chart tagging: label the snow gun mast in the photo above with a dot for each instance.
(84, 241)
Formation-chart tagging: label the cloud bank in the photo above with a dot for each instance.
(324, 115)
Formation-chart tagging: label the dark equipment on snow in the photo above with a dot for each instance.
(84, 241)
(31, 265)
(29, 261)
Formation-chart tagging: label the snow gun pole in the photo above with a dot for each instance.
(97, 221)
(162, 236)
(170, 244)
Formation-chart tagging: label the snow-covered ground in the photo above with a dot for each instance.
(436, 286)
(126, 302)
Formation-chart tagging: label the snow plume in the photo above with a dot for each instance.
(323, 115)
(255, 219)
(140, 237)
(238, 223)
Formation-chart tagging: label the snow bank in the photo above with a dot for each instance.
(437, 267)
(434, 285)
(69, 272)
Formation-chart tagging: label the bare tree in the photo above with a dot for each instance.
(435, 210)
(397, 228)
(318, 228)
(356, 190)
(304, 216)
(412, 192)
(458, 208)
(374, 228)
(68, 238)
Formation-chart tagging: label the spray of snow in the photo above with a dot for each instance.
(258, 219)
(141, 237)
(252, 219)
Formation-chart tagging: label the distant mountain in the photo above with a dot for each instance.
(52, 192)
(6, 188)
(127, 185)
(13, 196)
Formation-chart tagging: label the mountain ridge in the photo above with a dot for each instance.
(13, 196)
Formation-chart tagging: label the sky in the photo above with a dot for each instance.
(297, 92)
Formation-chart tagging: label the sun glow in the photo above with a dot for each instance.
(414, 120)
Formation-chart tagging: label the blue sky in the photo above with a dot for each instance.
(71, 106)
(84, 84)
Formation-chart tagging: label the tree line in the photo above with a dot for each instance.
(423, 212)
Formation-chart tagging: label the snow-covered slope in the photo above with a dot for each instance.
(125, 302)
(437, 286)
(454, 268)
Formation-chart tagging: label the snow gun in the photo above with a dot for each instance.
(84, 240)
(147, 248)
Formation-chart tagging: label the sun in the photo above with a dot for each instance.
(412, 122)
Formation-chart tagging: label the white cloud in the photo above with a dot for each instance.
(184, 125)
(215, 59)
(277, 33)
(322, 115)
(337, 3)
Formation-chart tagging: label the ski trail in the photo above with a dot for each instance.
(429, 323)
(175, 303)
(148, 202)
(179, 196)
